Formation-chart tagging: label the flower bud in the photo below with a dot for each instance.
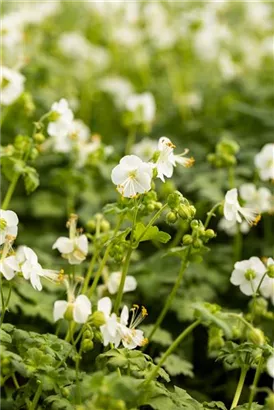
(88, 334)
(39, 138)
(194, 224)
(256, 336)
(258, 306)
(184, 212)
(270, 402)
(209, 234)
(158, 205)
(105, 225)
(197, 243)
(150, 207)
(53, 116)
(270, 271)
(22, 143)
(187, 239)
(91, 225)
(174, 199)
(65, 391)
(171, 217)
(87, 345)
(34, 153)
(98, 319)
(98, 336)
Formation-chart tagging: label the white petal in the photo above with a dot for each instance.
(119, 175)
(10, 217)
(59, 309)
(246, 288)
(237, 277)
(82, 243)
(35, 280)
(82, 309)
(12, 263)
(104, 305)
(270, 366)
(124, 316)
(64, 245)
(30, 255)
(130, 284)
(7, 272)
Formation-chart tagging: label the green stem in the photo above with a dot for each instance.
(255, 383)
(89, 272)
(255, 294)
(231, 177)
(171, 295)
(238, 244)
(15, 381)
(10, 191)
(3, 302)
(211, 213)
(239, 388)
(172, 347)
(123, 279)
(151, 222)
(37, 395)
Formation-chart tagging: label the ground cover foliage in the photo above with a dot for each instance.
(136, 226)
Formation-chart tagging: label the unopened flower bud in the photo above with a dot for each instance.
(87, 345)
(39, 138)
(174, 199)
(157, 205)
(184, 211)
(197, 243)
(270, 402)
(258, 306)
(34, 153)
(209, 233)
(98, 319)
(150, 207)
(256, 336)
(171, 217)
(91, 225)
(105, 225)
(65, 391)
(187, 239)
(53, 116)
(194, 224)
(88, 334)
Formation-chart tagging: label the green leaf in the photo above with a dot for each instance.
(175, 365)
(31, 179)
(5, 337)
(152, 233)
(214, 405)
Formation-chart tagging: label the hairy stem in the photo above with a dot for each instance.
(255, 382)
(172, 347)
(10, 191)
(211, 213)
(239, 388)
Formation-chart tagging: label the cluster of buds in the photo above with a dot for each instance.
(258, 306)
(98, 224)
(179, 208)
(118, 250)
(199, 235)
(225, 154)
(215, 339)
(150, 203)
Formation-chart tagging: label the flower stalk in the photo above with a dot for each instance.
(239, 388)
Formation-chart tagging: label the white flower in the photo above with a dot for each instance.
(119, 87)
(12, 85)
(9, 266)
(132, 176)
(143, 106)
(270, 366)
(260, 199)
(81, 308)
(79, 131)
(267, 287)
(247, 274)
(8, 224)
(230, 227)
(11, 32)
(114, 280)
(264, 162)
(130, 336)
(167, 160)
(234, 212)
(74, 249)
(62, 124)
(110, 329)
(84, 149)
(145, 149)
(31, 269)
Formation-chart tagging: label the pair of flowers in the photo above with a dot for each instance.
(115, 330)
(133, 176)
(253, 273)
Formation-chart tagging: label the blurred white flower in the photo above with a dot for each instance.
(230, 227)
(61, 125)
(270, 366)
(167, 160)
(120, 88)
(132, 176)
(110, 329)
(267, 286)
(234, 212)
(8, 224)
(79, 131)
(11, 30)
(74, 249)
(84, 149)
(9, 266)
(12, 85)
(80, 308)
(264, 162)
(130, 336)
(114, 280)
(247, 274)
(142, 106)
(145, 149)
(260, 199)
(228, 68)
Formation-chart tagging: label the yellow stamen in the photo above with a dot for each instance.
(189, 162)
(144, 341)
(256, 220)
(170, 144)
(144, 311)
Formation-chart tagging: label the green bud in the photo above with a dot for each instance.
(171, 217)
(236, 332)
(98, 319)
(174, 199)
(150, 207)
(69, 312)
(87, 345)
(194, 224)
(91, 225)
(34, 153)
(158, 205)
(22, 143)
(270, 271)
(258, 306)
(197, 243)
(227, 146)
(65, 392)
(98, 336)
(215, 340)
(105, 225)
(187, 239)
(28, 103)
(53, 116)
(39, 138)
(270, 402)
(5, 361)
(211, 158)
(256, 336)
(184, 212)
(88, 334)
(209, 233)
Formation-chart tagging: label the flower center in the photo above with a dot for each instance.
(4, 83)
(250, 274)
(132, 174)
(3, 224)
